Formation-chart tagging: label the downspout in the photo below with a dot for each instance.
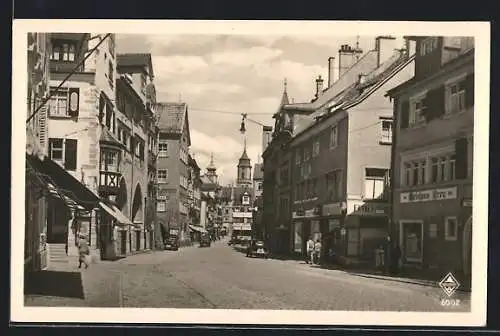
(132, 139)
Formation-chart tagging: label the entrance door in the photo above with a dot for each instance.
(412, 241)
(138, 240)
(123, 242)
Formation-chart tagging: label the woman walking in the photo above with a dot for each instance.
(83, 251)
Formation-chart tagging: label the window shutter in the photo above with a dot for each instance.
(434, 103)
(70, 154)
(461, 146)
(73, 102)
(405, 114)
(469, 90)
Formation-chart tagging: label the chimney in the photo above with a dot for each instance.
(319, 86)
(332, 76)
(385, 47)
(347, 58)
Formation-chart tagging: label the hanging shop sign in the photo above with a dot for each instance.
(429, 195)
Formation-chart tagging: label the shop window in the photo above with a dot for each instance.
(450, 228)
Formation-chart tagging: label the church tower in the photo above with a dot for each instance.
(244, 169)
(212, 170)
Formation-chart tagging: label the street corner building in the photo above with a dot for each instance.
(97, 139)
(173, 169)
(433, 158)
(327, 167)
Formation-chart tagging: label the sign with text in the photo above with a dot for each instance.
(429, 195)
(371, 209)
(242, 215)
(332, 209)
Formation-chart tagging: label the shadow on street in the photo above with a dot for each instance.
(54, 283)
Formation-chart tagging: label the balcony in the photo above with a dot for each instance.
(109, 182)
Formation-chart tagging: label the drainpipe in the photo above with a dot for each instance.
(132, 139)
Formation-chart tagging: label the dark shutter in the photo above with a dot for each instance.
(461, 158)
(70, 154)
(405, 114)
(469, 90)
(74, 102)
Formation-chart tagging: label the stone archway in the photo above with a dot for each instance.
(121, 198)
(137, 205)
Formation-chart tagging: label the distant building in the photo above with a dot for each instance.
(173, 169)
(433, 158)
(258, 179)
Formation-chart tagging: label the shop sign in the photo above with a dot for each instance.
(429, 195)
(312, 212)
(242, 215)
(332, 209)
(371, 209)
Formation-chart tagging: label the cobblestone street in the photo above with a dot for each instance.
(220, 277)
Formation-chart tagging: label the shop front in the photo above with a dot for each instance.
(306, 224)
(434, 227)
(331, 222)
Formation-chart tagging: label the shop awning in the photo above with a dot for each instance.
(45, 182)
(116, 213)
(198, 229)
(63, 181)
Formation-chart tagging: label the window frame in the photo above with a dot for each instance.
(459, 95)
(59, 45)
(334, 137)
(162, 153)
(374, 179)
(386, 136)
(416, 117)
(61, 149)
(58, 94)
(159, 179)
(447, 235)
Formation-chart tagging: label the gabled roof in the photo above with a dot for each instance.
(108, 138)
(239, 191)
(135, 60)
(258, 173)
(173, 118)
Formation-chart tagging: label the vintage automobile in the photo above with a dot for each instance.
(172, 243)
(258, 249)
(205, 240)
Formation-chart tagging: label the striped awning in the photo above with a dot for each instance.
(116, 213)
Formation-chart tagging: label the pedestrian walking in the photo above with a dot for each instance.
(310, 250)
(83, 251)
(317, 251)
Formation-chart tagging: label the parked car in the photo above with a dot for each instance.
(172, 243)
(205, 240)
(258, 249)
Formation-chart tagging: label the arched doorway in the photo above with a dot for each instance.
(121, 198)
(137, 216)
(467, 247)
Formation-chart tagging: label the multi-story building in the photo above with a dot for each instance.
(194, 191)
(173, 168)
(258, 179)
(35, 248)
(432, 157)
(133, 126)
(339, 157)
(78, 138)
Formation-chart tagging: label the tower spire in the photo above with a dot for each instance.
(285, 85)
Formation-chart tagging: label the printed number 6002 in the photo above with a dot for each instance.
(450, 302)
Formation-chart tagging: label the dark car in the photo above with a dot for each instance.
(172, 243)
(205, 240)
(258, 248)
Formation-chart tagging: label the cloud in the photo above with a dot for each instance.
(177, 65)
(244, 57)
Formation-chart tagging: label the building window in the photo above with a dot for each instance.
(63, 51)
(259, 186)
(408, 169)
(334, 137)
(316, 148)
(334, 185)
(428, 46)
(386, 136)
(416, 115)
(161, 204)
(64, 151)
(111, 70)
(162, 149)
(374, 182)
(162, 175)
(297, 157)
(58, 106)
(109, 160)
(455, 97)
(450, 228)
(307, 154)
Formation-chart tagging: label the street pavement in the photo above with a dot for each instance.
(220, 277)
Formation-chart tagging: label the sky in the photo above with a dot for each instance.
(234, 74)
